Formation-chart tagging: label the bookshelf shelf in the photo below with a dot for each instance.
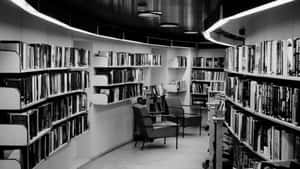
(245, 144)
(177, 68)
(68, 118)
(265, 117)
(208, 68)
(179, 91)
(39, 135)
(101, 84)
(16, 137)
(10, 99)
(102, 99)
(265, 76)
(200, 94)
(208, 81)
(10, 164)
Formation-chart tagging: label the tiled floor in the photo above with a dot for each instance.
(190, 155)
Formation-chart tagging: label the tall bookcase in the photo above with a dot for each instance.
(207, 76)
(43, 102)
(119, 76)
(263, 98)
(176, 68)
(262, 87)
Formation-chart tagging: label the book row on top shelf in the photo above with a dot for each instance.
(208, 62)
(123, 59)
(17, 56)
(270, 57)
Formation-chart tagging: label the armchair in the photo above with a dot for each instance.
(149, 130)
(175, 108)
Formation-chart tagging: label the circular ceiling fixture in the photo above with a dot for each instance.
(149, 8)
(191, 32)
(169, 25)
(148, 14)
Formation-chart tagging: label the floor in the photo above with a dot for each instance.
(190, 155)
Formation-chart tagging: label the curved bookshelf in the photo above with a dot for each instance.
(177, 68)
(68, 118)
(265, 117)
(209, 81)
(179, 91)
(101, 99)
(265, 76)
(208, 68)
(245, 144)
(11, 100)
(116, 84)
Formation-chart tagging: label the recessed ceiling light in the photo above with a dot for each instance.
(157, 12)
(148, 14)
(169, 25)
(191, 32)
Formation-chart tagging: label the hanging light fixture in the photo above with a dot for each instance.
(149, 8)
(191, 17)
(171, 14)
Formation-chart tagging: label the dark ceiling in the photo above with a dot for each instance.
(121, 18)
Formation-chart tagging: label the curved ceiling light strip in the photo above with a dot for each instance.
(29, 9)
(207, 33)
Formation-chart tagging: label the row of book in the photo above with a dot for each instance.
(281, 102)
(121, 92)
(129, 59)
(276, 57)
(56, 138)
(272, 142)
(176, 85)
(217, 86)
(121, 75)
(242, 158)
(179, 61)
(207, 75)
(36, 87)
(200, 88)
(208, 62)
(44, 116)
(42, 56)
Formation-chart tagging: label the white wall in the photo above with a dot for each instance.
(279, 23)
